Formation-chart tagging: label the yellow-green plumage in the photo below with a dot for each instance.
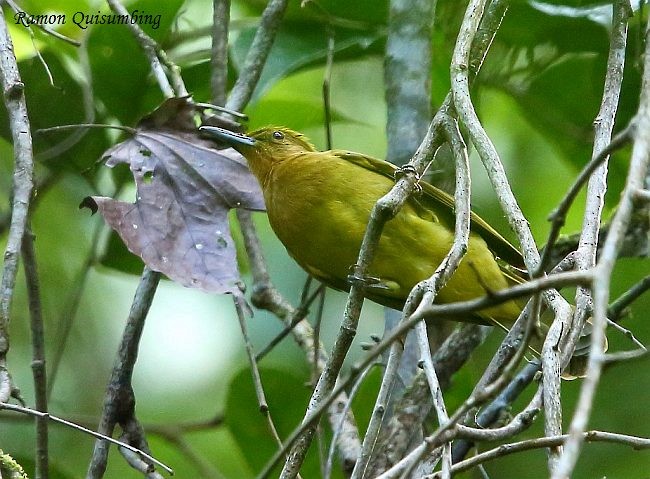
(318, 204)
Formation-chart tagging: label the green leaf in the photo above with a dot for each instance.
(121, 74)
(554, 65)
(287, 399)
(338, 12)
(53, 105)
(298, 113)
(298, 45)
(526, 26)
(563, 102)
(54, 470)
(118, 257)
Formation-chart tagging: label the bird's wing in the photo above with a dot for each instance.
(501, 247)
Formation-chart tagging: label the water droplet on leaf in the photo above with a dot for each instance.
(221, 242)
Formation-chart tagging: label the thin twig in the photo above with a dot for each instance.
(337, 431)
(69, 311)
(601, 288)
(172, 86)
(219, 52)
(436, 394)
(378, 411)
(327, 79)
(257, 55)
(85, 430)
(127, 129)
(89, 111)
(316, 370)
(38, 353)
(45, 28)
(430, 313)
(615, 310)
(204, 467)
(119, 402)
(301, 313)
(257, 378)
(545, 442)
(626, 332)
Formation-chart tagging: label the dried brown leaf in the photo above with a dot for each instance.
(178, 224)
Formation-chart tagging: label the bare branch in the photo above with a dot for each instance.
(635, 181)
(430, 313)
(119, 402)
(378, 411)
(257, 378)
(340, 429)
(615, 310)
(38, 353)
(64, 422)
(266, 296)
(546, 442)
(156, 56)
(219, 53)
(44, 28)
(257, 55)
(23, 184)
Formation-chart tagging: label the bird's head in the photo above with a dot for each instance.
(265, 146)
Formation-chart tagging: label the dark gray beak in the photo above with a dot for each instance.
(227, 135)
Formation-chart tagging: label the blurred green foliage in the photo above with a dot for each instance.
(537, 95)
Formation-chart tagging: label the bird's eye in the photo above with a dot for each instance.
(278, 135)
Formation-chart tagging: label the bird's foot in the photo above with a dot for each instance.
(408, 169)
(366, 282)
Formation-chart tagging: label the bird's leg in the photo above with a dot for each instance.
(366, 282)
(370, 283)
(408, 169)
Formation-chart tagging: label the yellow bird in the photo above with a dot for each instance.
(319, 203)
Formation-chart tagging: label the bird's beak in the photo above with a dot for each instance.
(228, 136)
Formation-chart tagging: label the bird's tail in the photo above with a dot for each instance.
(577, 367)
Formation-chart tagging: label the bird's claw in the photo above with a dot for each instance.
(408, 169)
(366, 282)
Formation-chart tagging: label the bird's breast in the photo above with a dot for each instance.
(319, 211)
